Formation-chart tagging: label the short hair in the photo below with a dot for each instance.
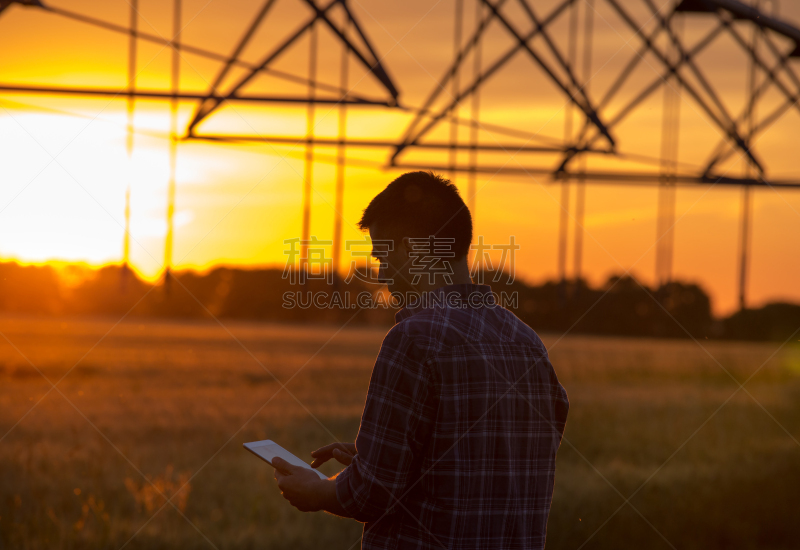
(418, 205)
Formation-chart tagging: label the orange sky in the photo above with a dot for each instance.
(64, 164)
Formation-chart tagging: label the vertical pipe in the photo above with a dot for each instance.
(340, 164)
(669, 166)
(308, 172)
(132, 43)
(173, 140)
(563, 221)
(673, 188)
(744, 245)
(472, 185)
(669, 247)
(746, 209)
(580, 197)
(664, 223)
(572, 54)
(580, 207)
(456, 84)
(562, 232)
(662, 181)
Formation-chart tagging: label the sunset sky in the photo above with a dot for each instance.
(64, 165)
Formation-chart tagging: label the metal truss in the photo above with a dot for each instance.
(214, 97)
(602, 111)
(208, 102)
(679, 69)
(765, 51)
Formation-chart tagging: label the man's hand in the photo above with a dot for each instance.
(300, 486)
(342, 452)
(305, 490)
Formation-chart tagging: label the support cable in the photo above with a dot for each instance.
(194, 50)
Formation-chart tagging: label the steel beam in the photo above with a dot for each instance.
(612, 178)
(504, 148)
(743, 11)
(157, 94)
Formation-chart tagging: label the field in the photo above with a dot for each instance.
(708, 466)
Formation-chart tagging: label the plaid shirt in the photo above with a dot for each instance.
(458, 439)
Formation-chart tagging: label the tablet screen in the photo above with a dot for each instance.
(268, 450)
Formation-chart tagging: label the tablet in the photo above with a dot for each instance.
(267, 450)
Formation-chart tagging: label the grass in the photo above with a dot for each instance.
(173, 402)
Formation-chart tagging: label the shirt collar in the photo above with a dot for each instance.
(474, 295)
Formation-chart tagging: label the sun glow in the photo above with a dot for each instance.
(65, 168)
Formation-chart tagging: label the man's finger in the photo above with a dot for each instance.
(324, 454)
(328, 449)
(324, 451)
(343, 457)
(319, 451)
(284, 467)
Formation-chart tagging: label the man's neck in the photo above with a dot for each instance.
(459, 276)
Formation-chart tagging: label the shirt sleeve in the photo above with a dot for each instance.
(560, 401)
(395, 426)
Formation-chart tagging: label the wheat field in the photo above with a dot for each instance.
(663, 447)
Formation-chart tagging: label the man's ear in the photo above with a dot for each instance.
(406, 245)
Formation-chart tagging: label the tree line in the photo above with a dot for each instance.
(622, 306)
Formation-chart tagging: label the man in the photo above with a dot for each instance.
(464, 413)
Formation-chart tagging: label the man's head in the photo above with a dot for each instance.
(416, 205)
